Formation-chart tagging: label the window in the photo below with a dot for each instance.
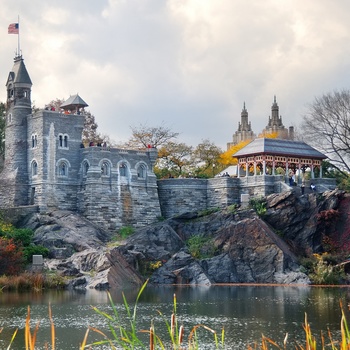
(34, 168)
(105, 168)
(34, 141)
(85, 167)
(62, 141)
(123, 170)
(62, 168)
(141, 171)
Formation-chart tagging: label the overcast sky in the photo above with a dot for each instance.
(189, 64)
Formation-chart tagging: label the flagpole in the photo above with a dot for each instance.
(19, 48)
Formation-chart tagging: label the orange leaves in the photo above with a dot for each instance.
(11, 256)
(227, 158)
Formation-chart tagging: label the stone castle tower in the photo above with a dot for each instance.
(18, 104)
(47, 166)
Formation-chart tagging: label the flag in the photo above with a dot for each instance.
(13, 28)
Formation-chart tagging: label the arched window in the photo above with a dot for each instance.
(34, 141)
(85, 168)
(63, 168)
(62, 141)
(34, 168)
(141, 171)
(123, 169)
(105, 168)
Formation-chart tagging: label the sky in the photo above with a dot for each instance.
(188, 65)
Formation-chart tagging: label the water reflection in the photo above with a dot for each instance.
(245, 312)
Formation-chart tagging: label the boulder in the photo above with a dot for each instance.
(295, 217)
(65, 232)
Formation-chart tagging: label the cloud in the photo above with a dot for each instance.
(188, 63)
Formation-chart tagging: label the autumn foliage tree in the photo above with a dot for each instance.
(205, 159)
(11, 256)
(16, 248)
(174, 157)
(227, 157)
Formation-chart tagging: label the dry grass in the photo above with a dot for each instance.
(30, 281)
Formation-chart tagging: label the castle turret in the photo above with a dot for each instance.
(18, 107)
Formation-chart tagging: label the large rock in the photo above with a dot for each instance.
(295, 217)
(65, 232)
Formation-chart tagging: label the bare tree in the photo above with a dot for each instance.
(326, 126)
(144, 136)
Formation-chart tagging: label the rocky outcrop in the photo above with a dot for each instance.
(236, 246)
(294, 217)
(65, 232)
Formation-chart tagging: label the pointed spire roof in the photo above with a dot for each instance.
(19, 73)
(74, 102)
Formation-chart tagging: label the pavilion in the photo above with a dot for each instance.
(263, 156)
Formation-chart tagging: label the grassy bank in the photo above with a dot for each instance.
(31, 281)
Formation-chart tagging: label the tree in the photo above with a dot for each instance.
(11, 257)
(227, 158)
(174, 157)
(56, 104)
(326, 126)
(90, 133)
(144, 136)
(205, 158)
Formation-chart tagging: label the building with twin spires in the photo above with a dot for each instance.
(274, 126)
(47, 166)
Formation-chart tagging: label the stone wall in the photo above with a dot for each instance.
(177, 196)
(118, 187)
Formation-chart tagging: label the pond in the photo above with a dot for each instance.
(244, 311)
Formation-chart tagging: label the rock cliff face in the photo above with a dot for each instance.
(232, 246)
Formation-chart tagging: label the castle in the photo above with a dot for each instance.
(47, 167)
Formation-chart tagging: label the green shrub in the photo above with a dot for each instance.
(126, 231)
(200, 247)
(32, 249)
(259, 205)
(325, 273)
(232, 208)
